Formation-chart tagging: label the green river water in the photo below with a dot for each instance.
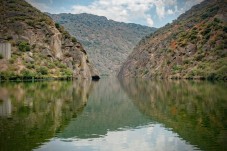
(113, 115)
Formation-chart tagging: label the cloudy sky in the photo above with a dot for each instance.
(154, 13)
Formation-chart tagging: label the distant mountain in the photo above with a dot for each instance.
(193, 46)
(107, 42)
(40, 48)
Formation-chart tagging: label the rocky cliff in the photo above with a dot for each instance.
(40, 47)
(107, 42)
(193, 46)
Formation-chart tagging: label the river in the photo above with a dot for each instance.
(113, 115)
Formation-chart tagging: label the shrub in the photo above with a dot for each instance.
(225, 29)
(51, 65)
(33, 46)
(24, 46)
(30, 66)
(12, 60)
(66, 34)
(49, 21)
(186, 61)
(1, 57)
(177, 68)
(61, 65)
(42, 70)
(74, 39)
(57, 25)
(217, 20)
(211, 12)
(206, 31)
(26, 73)
(146, 72)
(67, 72)
(211, 76)
(199, 57)
(31, 23)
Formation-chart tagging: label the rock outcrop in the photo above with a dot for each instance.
(54, 52)
(193, 46)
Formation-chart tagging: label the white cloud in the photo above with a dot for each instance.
(146, 12)
(151, 137)
(170, 12)
(126, 10)
(150, 22)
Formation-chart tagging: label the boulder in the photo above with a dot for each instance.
(46, 52)
(29, 59)
(30, 54)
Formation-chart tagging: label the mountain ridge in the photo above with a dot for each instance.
(106, 51)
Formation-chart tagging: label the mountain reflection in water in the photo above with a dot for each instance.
(195, 110)
(126, 114)
(32, 113)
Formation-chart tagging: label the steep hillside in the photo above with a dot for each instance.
(193, 46)
(40, 48)
(107, 42)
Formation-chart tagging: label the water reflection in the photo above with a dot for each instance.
(32, 113)
(113, 121)
(197, 111)
(113, 115)
(5, 103)
(108, 109)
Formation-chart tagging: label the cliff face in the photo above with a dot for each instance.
(40, 48)
(193, 46)
(107, 42)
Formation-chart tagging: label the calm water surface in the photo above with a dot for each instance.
(113, 115)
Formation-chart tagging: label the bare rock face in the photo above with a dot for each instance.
(40, 47)
(55, 44)
(192, 47)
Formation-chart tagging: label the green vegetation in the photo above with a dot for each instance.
(41, 120)
(42, 70)
(195, 110)
(24, 46)
(30, 33)
(57, 25)
(177, 67)
(30, 66)
(196, 47)
(107, 55)
(27, 73)
(67, 72)
(51, 65)
(74, 39)
(225, 29)
(1, 57)
(31, 23)
(11, 60)
(210, 12)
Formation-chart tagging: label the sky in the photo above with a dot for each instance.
(153, 13)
